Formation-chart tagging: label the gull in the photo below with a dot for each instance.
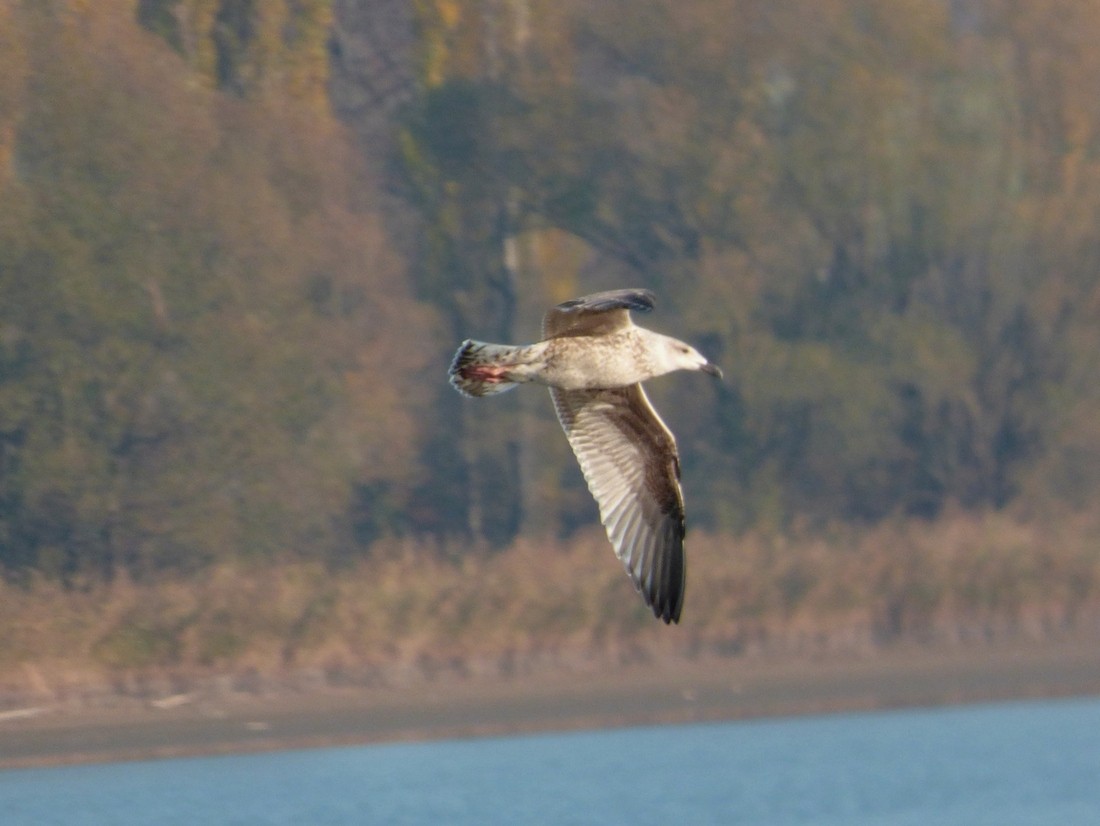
(594, 358)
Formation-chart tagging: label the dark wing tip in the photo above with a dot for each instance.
(656, 564)
(629, 299)
(667, 607)
(670, 591)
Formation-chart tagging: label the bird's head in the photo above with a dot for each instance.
(677, 355)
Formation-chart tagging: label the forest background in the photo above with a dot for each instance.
(239, 241)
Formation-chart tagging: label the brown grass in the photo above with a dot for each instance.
(964, 579)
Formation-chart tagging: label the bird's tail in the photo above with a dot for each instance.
(481, 369)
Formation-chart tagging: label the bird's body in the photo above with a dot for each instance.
(568, 362)
(593, 358)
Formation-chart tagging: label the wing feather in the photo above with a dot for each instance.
(630, 462)
(597, 314)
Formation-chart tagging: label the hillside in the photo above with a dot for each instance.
(239, 242)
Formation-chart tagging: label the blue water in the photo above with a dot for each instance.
(1022, 763)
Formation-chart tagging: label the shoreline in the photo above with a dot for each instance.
(658, 692)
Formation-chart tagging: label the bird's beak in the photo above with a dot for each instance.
(712, 369)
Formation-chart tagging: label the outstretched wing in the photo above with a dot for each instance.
(630, 461)
(596, 314)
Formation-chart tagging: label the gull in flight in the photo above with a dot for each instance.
(593, 358)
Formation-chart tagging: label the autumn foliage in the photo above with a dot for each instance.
(228, 298)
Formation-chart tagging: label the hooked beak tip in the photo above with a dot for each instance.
(712, 369)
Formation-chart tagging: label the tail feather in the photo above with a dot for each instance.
(478, 368)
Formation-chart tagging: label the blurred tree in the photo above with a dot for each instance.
(879, 216)
(270, 49)
(195, 359)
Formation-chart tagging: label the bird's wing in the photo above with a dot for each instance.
(596, 314)
(629, 459)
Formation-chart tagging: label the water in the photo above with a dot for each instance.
(1022, 763)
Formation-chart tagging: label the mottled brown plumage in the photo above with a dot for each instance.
(593, 358)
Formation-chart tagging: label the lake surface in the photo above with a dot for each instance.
(1020, 763)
